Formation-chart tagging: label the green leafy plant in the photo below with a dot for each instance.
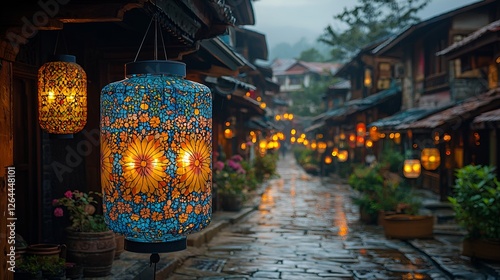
(30, 264)
(51, 266)
(307, 159)
(392, 159)
(265, 166)
(476, 201)
(379, 190)
(81, 208)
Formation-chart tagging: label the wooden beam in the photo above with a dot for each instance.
(99, 12)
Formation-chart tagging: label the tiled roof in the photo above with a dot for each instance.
(492, 27)
(488, 117)
(280, 65)
(344, 84)
(358, 105)
(405, 33)
(456, 115)
(406, 116)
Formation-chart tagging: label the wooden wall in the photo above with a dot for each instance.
(6, 152)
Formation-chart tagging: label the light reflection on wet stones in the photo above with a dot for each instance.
(308, 229)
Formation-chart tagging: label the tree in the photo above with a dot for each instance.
(368, 22)
(311, 55)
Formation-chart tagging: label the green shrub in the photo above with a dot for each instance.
(392, 159)
(378, 190)
(476, 201)
(265, 166)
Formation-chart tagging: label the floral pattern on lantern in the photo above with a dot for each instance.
(156, 156)
(62, 96)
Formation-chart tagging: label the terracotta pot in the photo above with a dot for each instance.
(95, 251)
(403, 226)
(485, 249)
(47, 250)
(381, 216)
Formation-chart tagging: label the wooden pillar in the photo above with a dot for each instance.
(6, 152)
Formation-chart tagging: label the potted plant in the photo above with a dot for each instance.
(369, 183)
(230, 180)
(53, 268)
(475, 201)
(384, 199)
(90, 243)
(29, 268)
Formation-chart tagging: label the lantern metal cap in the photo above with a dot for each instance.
(64, 58)
(165, 67)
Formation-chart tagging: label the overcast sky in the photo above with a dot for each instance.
(291, 20)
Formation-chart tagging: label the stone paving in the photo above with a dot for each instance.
(307, 228)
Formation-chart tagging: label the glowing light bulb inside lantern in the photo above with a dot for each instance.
(51, 96)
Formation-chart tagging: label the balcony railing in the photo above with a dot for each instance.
(436, 82)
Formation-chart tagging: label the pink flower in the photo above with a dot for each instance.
(68, 194)
(219, 165)
(233, 164)
(58, 212)
(241, 171)
(237, 158)
(55, 202)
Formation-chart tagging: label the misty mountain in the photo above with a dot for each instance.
(287, 50)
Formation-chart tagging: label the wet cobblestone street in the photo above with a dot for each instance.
(307, 229)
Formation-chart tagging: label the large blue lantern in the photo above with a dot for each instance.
(156, 156)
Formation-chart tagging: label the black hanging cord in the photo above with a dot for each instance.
(143, 38)
(154, 259)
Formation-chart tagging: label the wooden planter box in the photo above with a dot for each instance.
(403, 226)
(481, 248)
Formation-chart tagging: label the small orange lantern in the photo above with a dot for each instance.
(62, 96)
(342, 155)
(411, 168)
(430, 158)
(328, 160)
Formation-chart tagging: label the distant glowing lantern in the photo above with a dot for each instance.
(374, 134)
(228, 133)
(156, 156)
(352, 140)
(342, 155)
(314, 145)
(263, 144)
(360, 134)
(411, 168)
(369, 143)
(321, 147)
(368, 78)
(430, 158)
(62, 96)
(328, 160)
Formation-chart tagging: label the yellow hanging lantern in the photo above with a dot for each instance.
(411, 168)
(62, 96)
(430, 158)
(342, 155)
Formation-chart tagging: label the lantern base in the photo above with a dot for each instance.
(60, 136)
(156, 247)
